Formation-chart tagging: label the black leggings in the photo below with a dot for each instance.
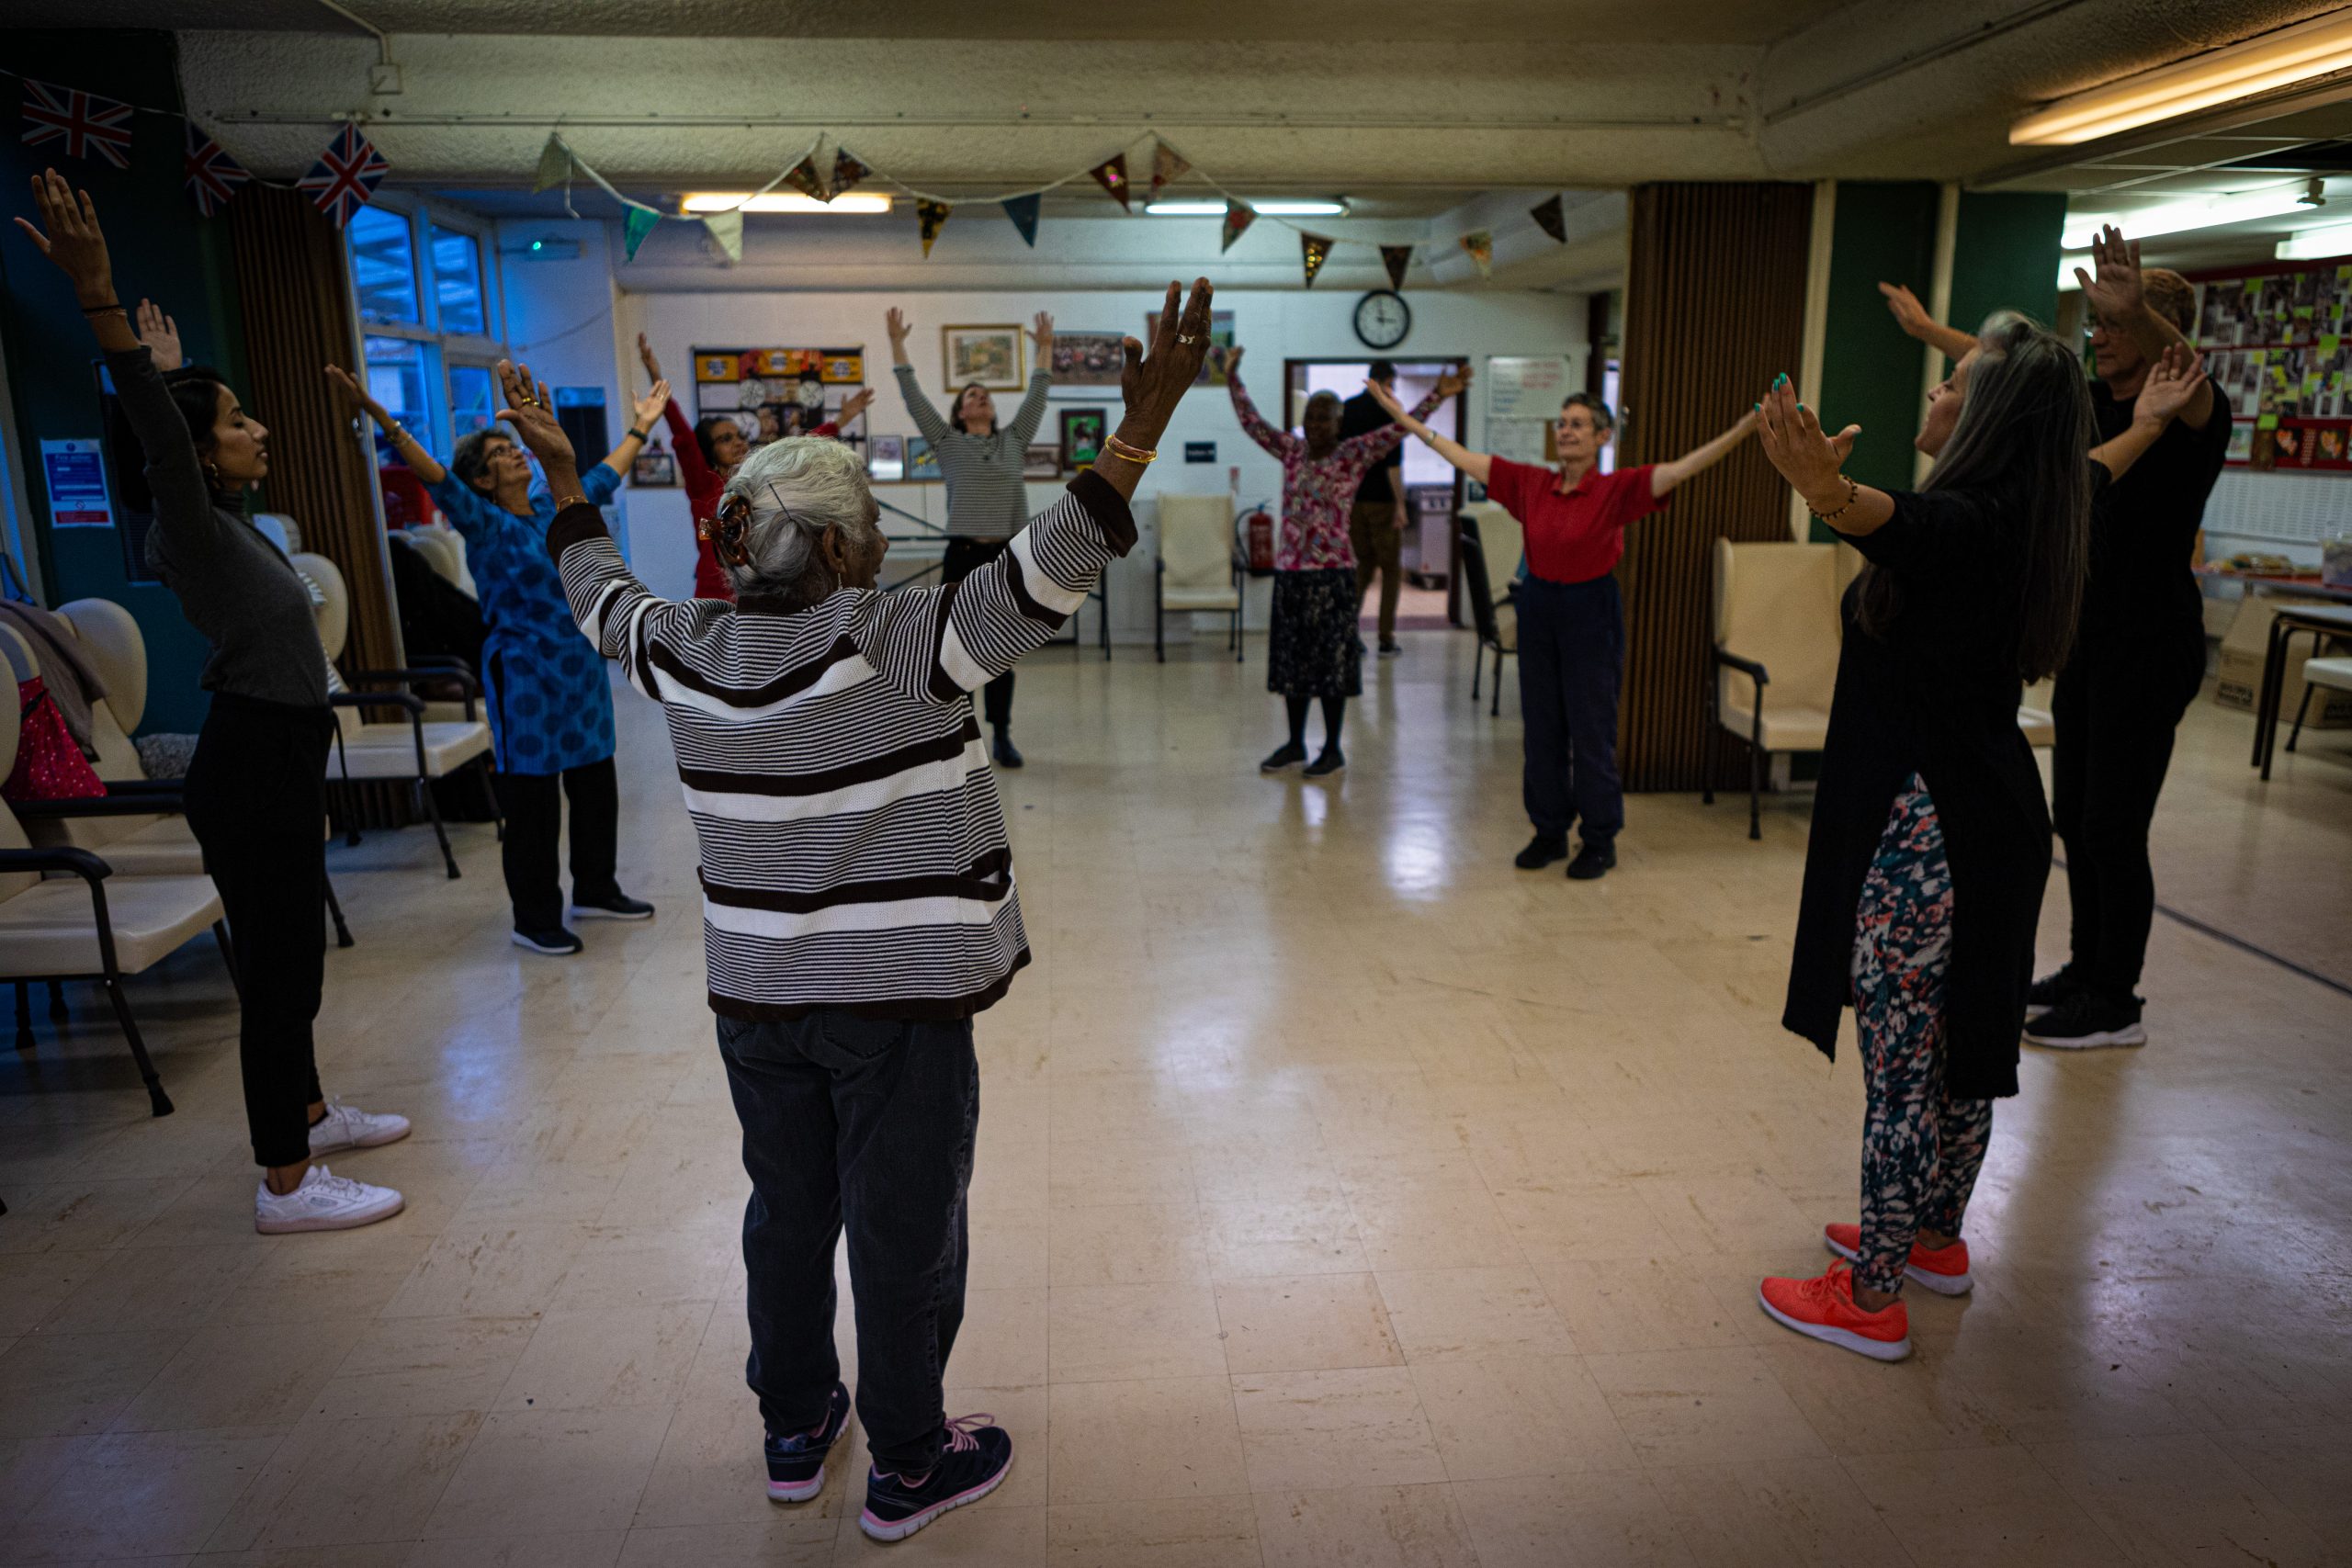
(535, 820)
(965, 556)
(256, 802)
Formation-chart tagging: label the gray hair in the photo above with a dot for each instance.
(796, 489)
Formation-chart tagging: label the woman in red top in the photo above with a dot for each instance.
(709, 452)
(1571, 619)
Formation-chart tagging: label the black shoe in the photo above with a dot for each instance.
(615, 905)
(1592, 861)
(972, 1465)
(1330, 760)
(1289, 754)
(1390, 647)
(2085, 1022)
(2053, 989)
(1542, 851)
(555, 942)
(797, 1463)
(1007, 754)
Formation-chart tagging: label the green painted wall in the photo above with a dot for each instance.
(2005, 256)
(162, 249)
(1869, 374)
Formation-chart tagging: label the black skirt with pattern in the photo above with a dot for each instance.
(1315, 649)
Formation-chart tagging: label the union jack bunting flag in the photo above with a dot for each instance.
(84, 122)
(213, 176)
(345, 175)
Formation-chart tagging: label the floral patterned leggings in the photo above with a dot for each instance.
(1921, 1149)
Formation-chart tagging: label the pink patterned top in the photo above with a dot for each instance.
(1315, 495)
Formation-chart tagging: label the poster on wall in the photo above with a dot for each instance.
(1528, 387)
(2277, 343)
(75, 474)
(774, 393)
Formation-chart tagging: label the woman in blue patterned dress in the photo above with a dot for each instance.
(550, 709)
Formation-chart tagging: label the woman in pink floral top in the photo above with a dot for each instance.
(1314, 651)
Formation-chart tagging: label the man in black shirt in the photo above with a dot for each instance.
(2139, 655)
(1376, 521)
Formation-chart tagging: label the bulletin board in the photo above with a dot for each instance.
(760, 387)
(2274, 340)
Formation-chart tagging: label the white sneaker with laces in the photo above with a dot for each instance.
(324, 1201)
(349, 1127)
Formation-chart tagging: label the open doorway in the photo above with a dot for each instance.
(1432, 487)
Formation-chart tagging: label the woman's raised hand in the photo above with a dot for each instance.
(1385, 398)
(1909, 314)
(1154, 383)
(530, 414)
(649, 407)
(69, 235)
(353, 397)
(1041, 333)
(854, 404)
(2172, 381)
(1794, 442)
(1227, 361)
(1455, 381)
(645, 358)
(160, 334)
(894, 323)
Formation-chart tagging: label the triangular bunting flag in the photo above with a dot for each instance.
(1023, 211)
(804, 178)
(638, 224)
(86, 124)
(555, 164)
(345, 175)
(1314, 249)
(931, 217)
(1239, 216)
(726, 229)
(847, 172)
(1549, 218)
(1480, 243)
(1167, 165)
(1111, 174)
(1396, 258)
(213, 176)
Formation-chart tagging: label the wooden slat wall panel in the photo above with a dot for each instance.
(1714, 308)
(297, 307)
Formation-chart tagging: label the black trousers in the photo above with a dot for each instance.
(2115, 707)
(1571, 663)
(862, 1126)
(534, 818)
(256, 802)
(965, 556)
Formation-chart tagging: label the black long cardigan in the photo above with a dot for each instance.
(1937, 695)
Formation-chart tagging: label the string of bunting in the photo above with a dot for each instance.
(345, 176)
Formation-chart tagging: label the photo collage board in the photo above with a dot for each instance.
(775, 392)
(2277, 343)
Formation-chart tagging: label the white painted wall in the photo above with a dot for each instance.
(1273, 323)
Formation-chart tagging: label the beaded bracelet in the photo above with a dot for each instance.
(1830, 518)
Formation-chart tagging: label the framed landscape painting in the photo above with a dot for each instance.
(989, 354)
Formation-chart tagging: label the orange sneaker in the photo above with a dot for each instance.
(1825, 1309)
(1943, 1269)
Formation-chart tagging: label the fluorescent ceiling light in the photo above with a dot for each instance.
(2178, 217)
(2259, 64)
(783, 201)
(2317, 244)
(1263, 208)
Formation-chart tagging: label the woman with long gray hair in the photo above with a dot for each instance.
(1930, 843)
(858, 898)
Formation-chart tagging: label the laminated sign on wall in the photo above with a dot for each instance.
(74, 473)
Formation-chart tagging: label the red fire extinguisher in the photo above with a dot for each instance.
(1257, 532)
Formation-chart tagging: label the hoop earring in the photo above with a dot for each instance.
(213, 474)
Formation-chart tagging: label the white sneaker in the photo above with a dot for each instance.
(324, 1201)
(349, 1127)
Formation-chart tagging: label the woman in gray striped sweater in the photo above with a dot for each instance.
(986, 502)
(859, 904)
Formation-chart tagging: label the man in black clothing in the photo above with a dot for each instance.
(1376, 521)
(2139, 655)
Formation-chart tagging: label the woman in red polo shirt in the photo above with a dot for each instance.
(1571, 620)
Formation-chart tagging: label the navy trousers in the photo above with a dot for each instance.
(1571, 663)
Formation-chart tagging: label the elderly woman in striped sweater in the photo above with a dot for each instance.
(981, 460)
(858, 895)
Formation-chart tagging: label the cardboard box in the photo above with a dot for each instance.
(2244, 648)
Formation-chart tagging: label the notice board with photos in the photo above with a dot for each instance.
(2276, 342)
(775, 392)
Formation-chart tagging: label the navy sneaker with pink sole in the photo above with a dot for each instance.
(797, 1463)
(974, 1463)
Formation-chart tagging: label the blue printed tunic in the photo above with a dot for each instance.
(550, 708)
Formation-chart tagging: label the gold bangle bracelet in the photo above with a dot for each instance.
(565, 503)
(1129, 450)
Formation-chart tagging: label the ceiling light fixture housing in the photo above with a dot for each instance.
(2316, 48)
(1263, 208)
(863, 202)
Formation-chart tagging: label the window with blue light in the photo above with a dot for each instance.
(383, 265)
(473, 398)
(398, 371)
(457, 280)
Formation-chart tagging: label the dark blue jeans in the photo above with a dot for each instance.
(865, 1126)
(1571, 663)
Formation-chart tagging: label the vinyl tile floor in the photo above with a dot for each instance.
(1344, 1197)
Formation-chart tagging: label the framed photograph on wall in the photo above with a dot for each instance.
(655, 466)
(1043, 461)
(1086, 360)
(923, 463)
(990, 356)
(1082, 433)
(886, 459)
(1220, 337)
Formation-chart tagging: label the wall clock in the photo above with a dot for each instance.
(1383, 319)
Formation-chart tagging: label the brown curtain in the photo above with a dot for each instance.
(1715, 309)
(297, 302)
